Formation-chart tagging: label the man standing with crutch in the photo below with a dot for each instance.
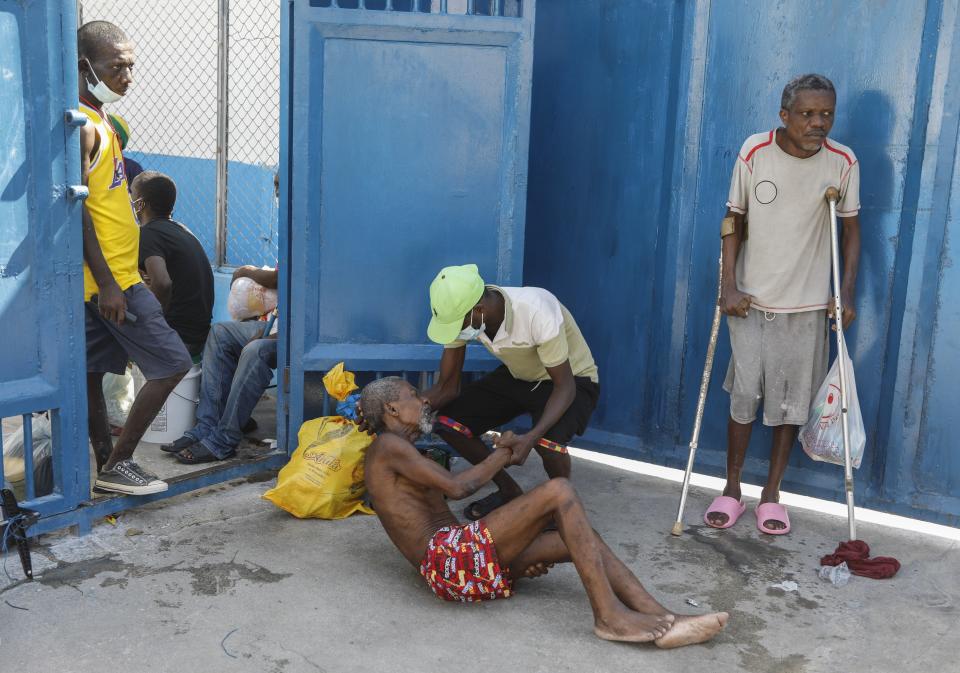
(776, 283)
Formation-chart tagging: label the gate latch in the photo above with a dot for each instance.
(77, 192)
(74, 117)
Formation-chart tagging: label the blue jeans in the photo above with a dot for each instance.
(237, 368)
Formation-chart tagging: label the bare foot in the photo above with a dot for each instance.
(717, 519)
(691, 629)
(633, 627)
(772, 524)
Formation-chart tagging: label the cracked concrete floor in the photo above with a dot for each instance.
(221, 580)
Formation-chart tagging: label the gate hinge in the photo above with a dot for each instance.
(286, 379)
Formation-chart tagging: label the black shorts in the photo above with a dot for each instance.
(150, 342)
(498, 398)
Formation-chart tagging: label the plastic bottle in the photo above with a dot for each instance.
(838, 575)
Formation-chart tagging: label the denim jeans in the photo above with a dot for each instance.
(237, 367)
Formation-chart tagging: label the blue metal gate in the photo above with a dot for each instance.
(41, 307)
(407, 150)
(625, 210)
(42, 362)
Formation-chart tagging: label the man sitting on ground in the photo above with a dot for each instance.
(477, 561)
(238, 363)
(173, 259)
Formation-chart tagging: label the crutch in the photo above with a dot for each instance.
(832, 195)
(701, 401)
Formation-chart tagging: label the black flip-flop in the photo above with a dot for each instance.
(197, 453)
(480, 508)
(178, 445)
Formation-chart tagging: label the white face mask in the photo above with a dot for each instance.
(469, 333)
(100, 90)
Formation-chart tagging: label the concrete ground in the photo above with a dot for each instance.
(222, 580)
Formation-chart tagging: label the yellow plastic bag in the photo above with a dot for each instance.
(339, 383)
(324, 478)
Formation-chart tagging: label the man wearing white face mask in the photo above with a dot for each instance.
(123, 319)
(547, 372)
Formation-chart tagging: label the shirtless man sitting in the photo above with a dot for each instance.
(477, 561)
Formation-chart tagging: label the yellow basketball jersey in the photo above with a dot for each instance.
(110, 208)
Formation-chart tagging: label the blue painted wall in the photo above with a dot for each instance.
(639, 109)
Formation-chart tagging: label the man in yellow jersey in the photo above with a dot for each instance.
(123, 318)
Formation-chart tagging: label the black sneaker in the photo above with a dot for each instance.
(179, 445)
(128, 477)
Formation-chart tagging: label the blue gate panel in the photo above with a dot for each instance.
(18, 272)
(939, 460)
(404, 144)
(639, 110)
(600, 187)
(409, 170)
(41, 299)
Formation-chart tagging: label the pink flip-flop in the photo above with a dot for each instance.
(772, 511)
(724, 504)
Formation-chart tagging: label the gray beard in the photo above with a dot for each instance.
(427, 419)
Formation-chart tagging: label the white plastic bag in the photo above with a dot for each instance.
(118, 392)
(248, 299)
(822, 435)
(14, 466)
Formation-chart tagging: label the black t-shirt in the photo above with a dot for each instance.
(190, 309)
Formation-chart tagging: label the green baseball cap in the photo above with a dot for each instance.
(453, 293)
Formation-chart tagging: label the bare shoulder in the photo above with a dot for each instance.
(388, 444)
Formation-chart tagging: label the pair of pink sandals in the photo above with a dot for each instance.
(768, 511)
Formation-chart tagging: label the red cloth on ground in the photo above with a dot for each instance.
(855, 553)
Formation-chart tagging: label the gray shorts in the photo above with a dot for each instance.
(150, 342)
(780, 358)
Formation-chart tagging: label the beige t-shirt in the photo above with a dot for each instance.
(785, 261)
(537, 332)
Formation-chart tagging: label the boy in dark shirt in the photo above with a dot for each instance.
(174, 261)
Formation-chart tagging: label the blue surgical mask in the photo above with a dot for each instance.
(469, 333)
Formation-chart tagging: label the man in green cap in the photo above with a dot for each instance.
(547, 372)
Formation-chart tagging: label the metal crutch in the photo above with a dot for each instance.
(701, 401)
(832, 195)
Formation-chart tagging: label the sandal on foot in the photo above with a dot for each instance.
(197, 453)
(724, 504)
(483, 506)
(772, 511)
(179, 445)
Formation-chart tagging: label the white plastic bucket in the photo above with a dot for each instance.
(179, 413)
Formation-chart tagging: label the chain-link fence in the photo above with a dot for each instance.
(172, 110)
(254, 124)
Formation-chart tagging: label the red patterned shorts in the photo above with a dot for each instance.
(461, 565)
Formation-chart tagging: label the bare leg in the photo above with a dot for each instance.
(784, 437)
(518, 523)
(738, 438)
(556, 464)
(475, 451)
(97, 424)
(145, 407)
(548, 548)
